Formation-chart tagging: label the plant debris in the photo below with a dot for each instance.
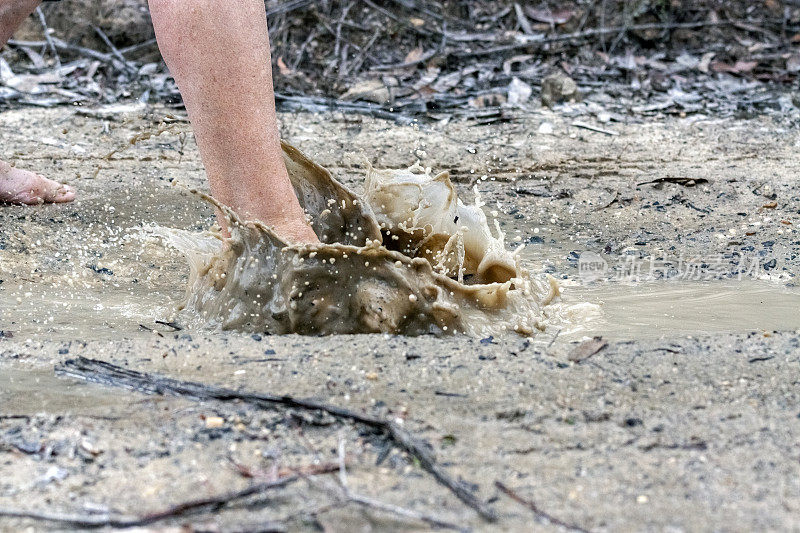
(433, 59)
(586, 349)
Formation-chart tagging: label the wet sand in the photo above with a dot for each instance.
(685, 423)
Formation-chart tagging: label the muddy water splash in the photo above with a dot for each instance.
(409, 258)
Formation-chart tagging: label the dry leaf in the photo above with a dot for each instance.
(369, 90)
(745, 66)
(282, 68)
(509, 63)
(550, 16)
(740, 67)
(586, 349)
(705, 61)
(793, 63)
(414, 55)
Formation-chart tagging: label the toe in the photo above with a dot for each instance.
(23, 187)
(61, 194)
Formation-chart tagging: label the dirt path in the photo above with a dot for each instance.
(679, 430)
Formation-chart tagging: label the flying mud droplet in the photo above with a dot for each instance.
(409, 258)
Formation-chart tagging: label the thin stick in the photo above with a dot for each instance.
(343, 492)
(136, 47)
(423, 58)
(401, 511)
(338, 44)
(311, 36)
(112, 375)
(396, 18)
(47, 36)
(114, 50)
(81, 50)
(288, 7)
(586, 126)
(316, 104)
(535, 508)
(193, 506)
(362, 55)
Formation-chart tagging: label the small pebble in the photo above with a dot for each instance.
(213, 422)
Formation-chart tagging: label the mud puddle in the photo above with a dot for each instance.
(626, 312)
(84, 313)
(651, 310)
(27, 391)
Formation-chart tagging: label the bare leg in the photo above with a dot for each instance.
(12, 14)
(16, 185)
(219, 54)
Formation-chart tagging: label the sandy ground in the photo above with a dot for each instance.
(689, 419)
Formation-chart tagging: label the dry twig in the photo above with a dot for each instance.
(342, 493)
(182, 509)
(114, 50)
(112, 375)
(535, 508)
(47, 36)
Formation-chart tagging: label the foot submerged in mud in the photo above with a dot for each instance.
(391, 262)
(19, 186)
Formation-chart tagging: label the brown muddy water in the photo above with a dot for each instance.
(573, 190)
(26, 392)
(653, 310)
(624, 311)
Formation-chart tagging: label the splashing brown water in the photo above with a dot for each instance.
(408, 258)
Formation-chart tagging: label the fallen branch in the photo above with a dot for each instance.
(212, 503)
(112, 375)
(535, 508)
(317, 104)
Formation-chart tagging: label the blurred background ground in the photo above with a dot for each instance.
(435, 60)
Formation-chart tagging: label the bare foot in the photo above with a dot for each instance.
(297, 232)
(19, 186)
(278, 208)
